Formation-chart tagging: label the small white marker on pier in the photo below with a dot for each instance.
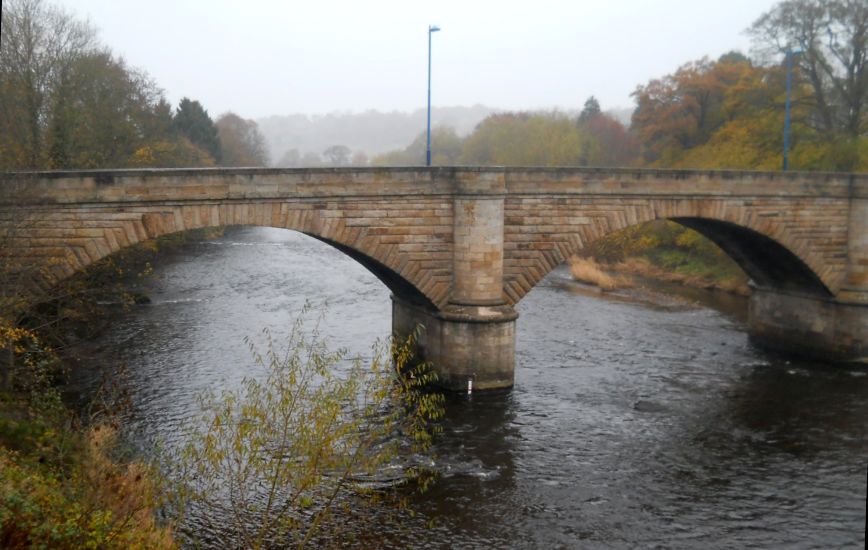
(470, 385)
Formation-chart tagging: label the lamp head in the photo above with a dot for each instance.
(433, 28)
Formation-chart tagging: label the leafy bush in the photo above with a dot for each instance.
(279, 461)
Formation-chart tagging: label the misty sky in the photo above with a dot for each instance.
(261, 57)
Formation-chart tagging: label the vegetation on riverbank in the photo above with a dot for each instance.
(62, 483)
(61, 486)
(315, 453)
(661, 250)
(314, 432)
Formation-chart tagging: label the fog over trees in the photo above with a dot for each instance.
(69, 102)
(371, 132)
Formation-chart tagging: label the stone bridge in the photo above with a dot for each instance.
(459, 247)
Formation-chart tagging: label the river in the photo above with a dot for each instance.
(637, 419)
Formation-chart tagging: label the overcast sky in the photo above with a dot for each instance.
(264, 57)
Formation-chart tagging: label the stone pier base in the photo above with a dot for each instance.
(819, 327)
(463, 343)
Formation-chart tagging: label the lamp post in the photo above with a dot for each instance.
(431, 28)
(790, 54)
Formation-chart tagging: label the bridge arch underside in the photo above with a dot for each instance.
(778, 245)
(398, 285)
(62, 243)
(765, 261)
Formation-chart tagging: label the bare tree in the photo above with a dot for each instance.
(337, 155)
(833, 38)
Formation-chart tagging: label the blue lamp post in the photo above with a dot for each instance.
(790, 54)
(431, 28)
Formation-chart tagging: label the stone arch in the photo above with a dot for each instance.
(552, 230)
(80, 237)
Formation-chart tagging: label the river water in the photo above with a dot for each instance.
(637, 419)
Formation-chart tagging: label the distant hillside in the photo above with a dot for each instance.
(371, 132)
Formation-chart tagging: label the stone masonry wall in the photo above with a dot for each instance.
(404, 218)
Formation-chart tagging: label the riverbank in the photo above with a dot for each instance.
(62, 487)
(659, 250)
(63, 483)
(625, 274)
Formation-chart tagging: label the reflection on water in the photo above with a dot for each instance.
(634, 420)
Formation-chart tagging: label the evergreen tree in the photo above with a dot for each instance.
(590, 111)
(192, 121)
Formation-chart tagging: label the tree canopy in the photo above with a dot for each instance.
(241, 142)
(66, 101)
(192, 121)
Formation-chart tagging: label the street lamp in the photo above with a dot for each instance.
(790, 54)
(431, 28)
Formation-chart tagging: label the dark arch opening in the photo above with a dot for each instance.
(398, 285)
(764, 260)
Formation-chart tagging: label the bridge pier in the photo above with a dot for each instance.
(463, 344)
(824, 327)
(472, 338)
(815, 326)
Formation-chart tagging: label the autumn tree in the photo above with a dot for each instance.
(285, 461)
(39, 45)
(830, 41)
(590, 111)
(102, 113)
(683, 110)
(525, 139)
(609, 142)
(241, 142)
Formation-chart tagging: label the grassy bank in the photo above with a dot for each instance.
(661, 250)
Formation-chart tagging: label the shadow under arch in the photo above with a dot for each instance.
(768, 263)
(398, 285)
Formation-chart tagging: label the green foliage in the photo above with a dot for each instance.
(101, 113)
(670, 247)
(729, 113)
(67, 102)
(192, 121)
(39, 45)
(170, 153)
(283, 459)
(90, 503)
(59, 486)
(446, 149)
(590, 111)
(831, 35)
(525, 139)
